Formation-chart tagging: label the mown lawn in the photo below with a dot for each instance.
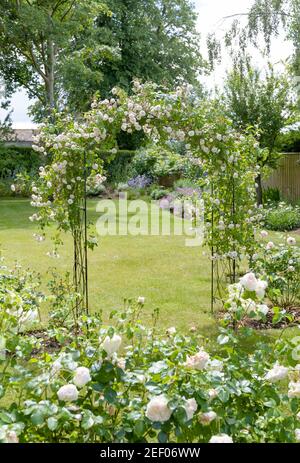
(173, 277)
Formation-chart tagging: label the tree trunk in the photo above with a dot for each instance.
(259, 190)
(50, 74)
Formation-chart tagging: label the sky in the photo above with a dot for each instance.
(211, 15)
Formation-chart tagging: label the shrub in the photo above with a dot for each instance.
(271, 195)
(123, 382)
(280, 264)
(157, 162)
(282, 217)
(289, 142)
(158, 193)
(14, 160)
(117, 167)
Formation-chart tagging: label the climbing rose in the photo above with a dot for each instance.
(82, 376)
(221, 439)
(68, 393)
(277, 373)
(158, 410)
(112, 345)
(190, 408)
(294, 389)
(207, 418)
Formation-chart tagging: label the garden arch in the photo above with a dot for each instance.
(226, 157)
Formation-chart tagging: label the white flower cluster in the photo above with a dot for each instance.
(247, 296)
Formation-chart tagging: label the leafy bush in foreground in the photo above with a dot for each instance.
(123, 382)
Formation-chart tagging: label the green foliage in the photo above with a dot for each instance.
(39, 39)
(280, 265)
(15, 159)
(157, 41)
(65, 52)
(261, 102)
(265, 20)
(117, 167)
(289, 142)
(100, 381)
(158, 193)
(156, 161)
(282, 217)
(271, 195)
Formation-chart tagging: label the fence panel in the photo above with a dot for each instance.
(286, 177)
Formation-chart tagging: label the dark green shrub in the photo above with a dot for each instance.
(271, 195)
(17, 159)
(117, 166)
(282, 217)
(289, 142)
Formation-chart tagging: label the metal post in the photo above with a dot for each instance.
(85, 280)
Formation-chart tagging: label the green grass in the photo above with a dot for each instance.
(173, 277)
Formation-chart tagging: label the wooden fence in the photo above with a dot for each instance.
(286, 177)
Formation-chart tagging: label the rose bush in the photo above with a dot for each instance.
(123, 382)
(280, 264)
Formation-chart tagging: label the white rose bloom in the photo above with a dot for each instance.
(13, 188)
(112, 345)
(270, 245)
(197, 361)
(277, 373)
(190, 408)
(261, 288)
(141, 300)
(82, 376)
(221, 439)
(294, 389)
(68, 393)
(212, 394)
(291, 241)
(121, 363)
(249, 281)
(158, 410)
(262, 309)
(297, 434)
(207, 418)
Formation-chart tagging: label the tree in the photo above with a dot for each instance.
(264, 20)
(264, 103)
(157, 40)
(5, 124)
(37, 39)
